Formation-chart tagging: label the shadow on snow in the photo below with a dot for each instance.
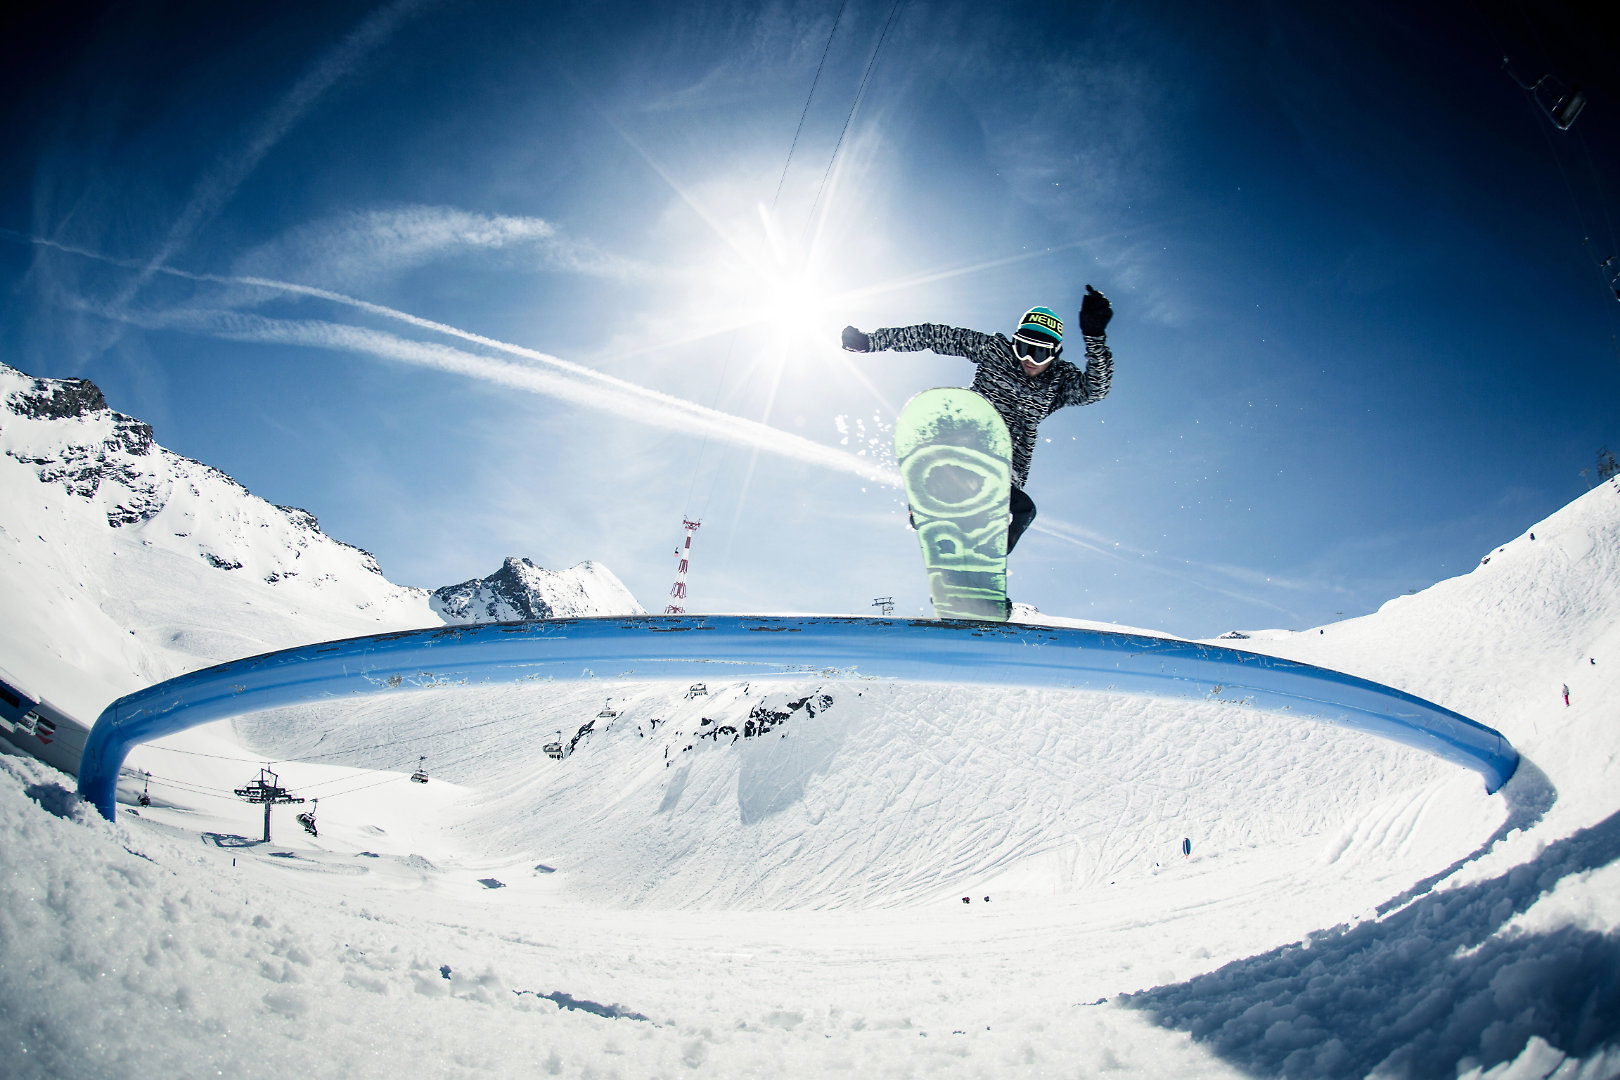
(1430, 988)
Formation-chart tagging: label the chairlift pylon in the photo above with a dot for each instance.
(266, 789)
(420, 776)
(145, 798)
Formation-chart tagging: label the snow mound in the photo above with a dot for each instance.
(1500, 644)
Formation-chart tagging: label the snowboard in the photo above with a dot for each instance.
(956, 464)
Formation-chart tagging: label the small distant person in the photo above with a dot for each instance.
(1023, 377)
(1566, 695)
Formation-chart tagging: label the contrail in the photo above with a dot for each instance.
(1166, 565)
(575, 383)
(621, 398)
(216, 187)
(567, 381)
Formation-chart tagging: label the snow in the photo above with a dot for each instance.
(521, 590)
(785, 898)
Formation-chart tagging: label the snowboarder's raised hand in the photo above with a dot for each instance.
(1095, 311)
(855, 341)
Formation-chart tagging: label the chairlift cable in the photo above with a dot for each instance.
(350, 791)
(1597, 260)
(860, 92)
(1597, 186)
(199, 753)
(725, 366)
(732, 344)
(821, 191)
(1592, 256)
(808, 98)
(188, 787)
(394, 742)
(440, 766)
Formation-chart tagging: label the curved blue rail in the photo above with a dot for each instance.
(744, 647)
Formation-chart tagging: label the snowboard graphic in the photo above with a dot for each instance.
(956, 465)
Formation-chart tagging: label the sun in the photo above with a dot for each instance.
(795, 303)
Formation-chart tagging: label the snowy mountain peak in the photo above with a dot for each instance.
(520, 589)
(120, 557)
(64, 430)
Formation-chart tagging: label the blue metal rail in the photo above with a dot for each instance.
(747, 647)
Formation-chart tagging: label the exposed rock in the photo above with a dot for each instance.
(59, 399)
(520, 590)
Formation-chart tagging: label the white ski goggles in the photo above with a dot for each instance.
(1038, 353)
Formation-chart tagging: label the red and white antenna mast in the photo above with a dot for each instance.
(678, 592)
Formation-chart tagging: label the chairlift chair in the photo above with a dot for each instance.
(1562, 103)
(420, 776)
(307, 818)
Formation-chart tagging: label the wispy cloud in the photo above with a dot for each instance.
(1231, 582)
(360, 248)
(537, 372)
(216, 187)
(558, 379)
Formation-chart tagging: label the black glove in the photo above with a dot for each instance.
(855, 341)
(1095, 311)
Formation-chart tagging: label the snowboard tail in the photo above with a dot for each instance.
(956, 464)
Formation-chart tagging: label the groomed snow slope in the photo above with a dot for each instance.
(840, 794)
(789, 903)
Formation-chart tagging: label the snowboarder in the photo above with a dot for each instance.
(1566, 695)
(1024, 378)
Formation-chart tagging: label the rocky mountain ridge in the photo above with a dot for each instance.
(522, 590)
(111, 544)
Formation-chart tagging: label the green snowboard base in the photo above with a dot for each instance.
(956, 464)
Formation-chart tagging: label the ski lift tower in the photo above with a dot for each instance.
(678, 592)
(884, 604)
(266, 789)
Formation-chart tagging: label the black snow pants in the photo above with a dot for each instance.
(1023, 515)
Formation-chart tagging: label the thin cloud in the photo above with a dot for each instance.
(359, 248)
(1198, 575)
(564, 382)
(552, 376)
(219, 184)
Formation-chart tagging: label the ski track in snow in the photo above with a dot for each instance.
(664, 901)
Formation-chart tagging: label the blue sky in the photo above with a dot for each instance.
(474, 280)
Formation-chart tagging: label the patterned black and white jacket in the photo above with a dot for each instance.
(1023, 402)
